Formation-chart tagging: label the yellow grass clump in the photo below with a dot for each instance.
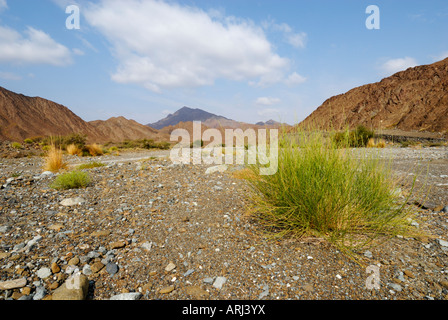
(74, 150)
(54, 160)
(372, 144)
(95, 150)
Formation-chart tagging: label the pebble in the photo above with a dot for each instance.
(40, 293)
(170, 267)
(443, 243)
(209, 280)
(166, 290)
(118, 244)
(186, 274)
(127, 296)
(97, 267)
(368, 254)
(74, 288)
(13, 284)
(112, 268)
(197, 292)
(55, 267)
(72, 202)
(219, 282)
(44, 273)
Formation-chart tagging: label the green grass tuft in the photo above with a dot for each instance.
(71, 180)
(346, 197)
(90, 165)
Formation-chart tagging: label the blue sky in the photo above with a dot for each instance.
(244, 59)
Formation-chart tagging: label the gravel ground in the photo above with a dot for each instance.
(154, 230)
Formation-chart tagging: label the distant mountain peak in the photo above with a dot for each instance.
(187, 114)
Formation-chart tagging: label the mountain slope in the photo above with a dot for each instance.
(120, 129)
(188, 114)
(23, 117)
(414, 99)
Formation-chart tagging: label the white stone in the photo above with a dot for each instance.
(443, 243)
(72, 202)
(220, 168)
(127, 296)
(219, 282)
(13, 284)
(44, 273)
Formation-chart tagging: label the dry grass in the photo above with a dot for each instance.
(74, 150)
(54, 160)
(378, 144)
(95, 150)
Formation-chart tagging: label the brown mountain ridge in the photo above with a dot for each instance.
(412, 100)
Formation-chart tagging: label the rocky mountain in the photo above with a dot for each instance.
(188, 115)
(414, 99)
(24, 117)
(119, 129)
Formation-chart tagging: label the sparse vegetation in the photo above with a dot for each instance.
(63, 142)
(95, 150)
(16, 145)
(353, 138)
(376, 144)
(28, 141)
(324, 191)
(73, 150)
(90, 165)
(71, 180)
(54, 159)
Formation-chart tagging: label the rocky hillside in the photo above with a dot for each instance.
(119, 129)
(24, 117)
(188, 114)
(414, 99)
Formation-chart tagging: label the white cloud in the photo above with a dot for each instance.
(10, 76)
(163, 45)
(294, 79)
(395, 65)
(441, 56)
(34, 47)
(267, 112)
(3, 5)
(267, 101)
(78, 52)
(297, 40)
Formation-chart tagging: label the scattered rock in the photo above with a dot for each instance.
(443, 243)
(170, 267)
(74, 288)
(127, 296)
(167, 290)
(96, 267)
(219, 282)
(72, 202)
(40, 293)
(197, 292)
(44, 273)
(221, 168)
(55, 267)
(13, 284)
(112, 268)
(118, 244)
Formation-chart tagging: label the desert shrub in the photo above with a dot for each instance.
(376, 144)
(353, 138)
(73, 150)
(28, 141)
(54, 159)
(90, 165)
(94, 150)
(324, 191)
(71, 180)
(63, 142)
(163, 145)
(16, 145)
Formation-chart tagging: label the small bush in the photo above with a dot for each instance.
(357, 138)
(323, 191)
(16, 145)
(94, 150)
(54, 160)
(63, 141)
(90, 165)
(71, 180)
(73, 150)
(379, 144)
(28, 141)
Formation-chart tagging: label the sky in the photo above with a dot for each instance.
(248, 60)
